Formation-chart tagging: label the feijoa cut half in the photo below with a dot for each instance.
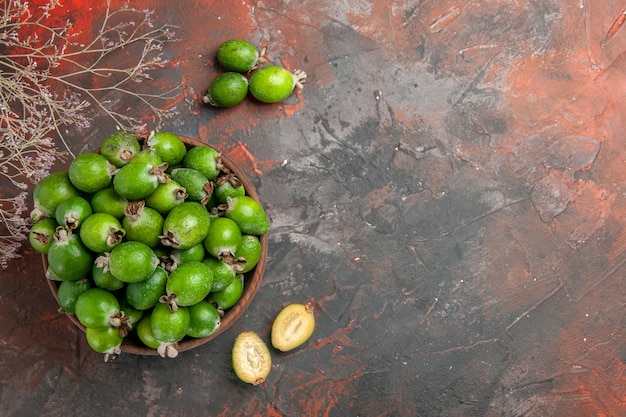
(293, 326)
(252, 361)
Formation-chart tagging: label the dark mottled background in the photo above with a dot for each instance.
(447, 190)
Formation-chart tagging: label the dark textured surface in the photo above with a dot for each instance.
(447, 190)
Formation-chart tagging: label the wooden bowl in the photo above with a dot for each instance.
(252, 280)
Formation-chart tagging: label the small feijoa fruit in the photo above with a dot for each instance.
(272, 84)
(227, 90)
(293, 326)
(237, 55)
(252, 362)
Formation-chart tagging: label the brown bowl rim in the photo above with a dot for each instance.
(252, 279)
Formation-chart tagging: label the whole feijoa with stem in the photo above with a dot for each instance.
(237, 55)
(132, 261)
(205, 159)
(197, 186)
(186, 225)
(223, 272)
(188, 284)
(41, 234)
(110, 202)
(249, 215)
(69, 291)
(169, 146)
(166, 196)
(251, 358)
(293, 326)
(49, 192)
(222, 238)
(100, 232)
(273, 83)
(145, 294)
(105, 340)
(119, 148)
(229, 296)
(204, 318)
(139, 180)
(168, 328)
(72, 212)
(96, 308)
(227, 90)
(142, 224)
(228, 185)
(68, 258)
(91, 172)
(248, 253)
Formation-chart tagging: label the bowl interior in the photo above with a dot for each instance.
(252, 280)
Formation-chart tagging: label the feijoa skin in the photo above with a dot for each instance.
(237, 55)
(144, 332)
(166, 196)
(222, 238)
(142, 224)
(49, 192)
(100, 232)
(137, 181)
(293, 326)
(248, 253)
(197, 186)
(132, 261)
(223, 273)
(251, 358)
(227, 90)
(119, 148)
(205, 319)
(248, 214)
(104, 278)
(168, 328)
(72, 212)
(229, 296)
(110, 202)
(273, 84)
(105, 340)
(97, 308)
(186, 225)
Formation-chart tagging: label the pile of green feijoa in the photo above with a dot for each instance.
(245, 74)
(147, 239)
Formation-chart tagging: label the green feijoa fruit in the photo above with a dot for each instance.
(145, 294)
(251, 358)
(170, 147)
(105, 340)
(223, 273)
(101, 232)
(96, 308)
(139, 180)
(68, 258)
(147, 156)
(227, 90)
(188, 284)
(186, 225)
(248, 214)
(166, 196)
(132, 261)
(229, 296)
(72, 212)
(119, 148)
(222, 238)
(110, 202)
(49, 192)
(198, 187)
(272, 84)
(142, 224)
(237, 55)
(103, 278)
(194, 253)
(228, 185)
(205, 159)
(169, 327)
(144, 332)
(204, 319)
(248, 253)
(69, 291)
(41, 235)
(91, 172)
